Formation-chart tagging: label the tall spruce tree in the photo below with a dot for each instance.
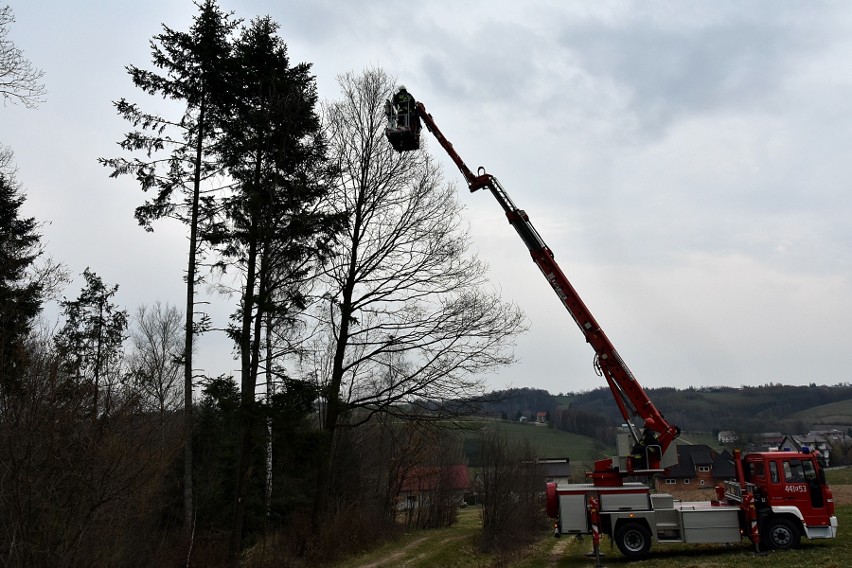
(276, 231)
(20, 295)
(193, 65)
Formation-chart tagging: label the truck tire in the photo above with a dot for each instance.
(780, 534)
(633, 540)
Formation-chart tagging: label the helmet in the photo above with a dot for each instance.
(401, 88)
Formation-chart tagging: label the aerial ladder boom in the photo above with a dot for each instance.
(652, 448)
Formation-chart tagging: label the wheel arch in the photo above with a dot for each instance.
(792, 514)
(617, 523)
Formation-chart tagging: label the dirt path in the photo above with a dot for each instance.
(557, 552)
(408, 554)
(395, 558)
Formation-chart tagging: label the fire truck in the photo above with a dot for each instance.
(775, 499)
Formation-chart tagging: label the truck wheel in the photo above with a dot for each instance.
(633, 540)
(781, 534)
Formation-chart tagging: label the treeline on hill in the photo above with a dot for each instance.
(747, 410)
(354, 294)
(560, 412)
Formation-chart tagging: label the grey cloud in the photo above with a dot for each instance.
(666, 72)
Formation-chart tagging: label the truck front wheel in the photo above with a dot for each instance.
(633, 540)
(781, 534)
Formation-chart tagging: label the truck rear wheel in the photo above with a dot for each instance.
(781, 534)
(633, 540)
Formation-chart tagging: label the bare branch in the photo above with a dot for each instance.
(20, 82)
(409, 312)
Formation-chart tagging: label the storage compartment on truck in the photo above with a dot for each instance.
(710, 524)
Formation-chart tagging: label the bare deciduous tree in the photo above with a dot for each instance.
(19, 80)
(409, 315)
(156, 360)
(76, 492)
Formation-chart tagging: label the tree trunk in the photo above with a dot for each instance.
(246, 409)
(333, 411)
(250, 334)
(189, 334)
(333, 406)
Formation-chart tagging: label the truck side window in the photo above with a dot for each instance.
(809, 471)
(773, 472)
(756, 469)
(793, 472)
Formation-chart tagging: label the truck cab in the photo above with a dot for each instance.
(791, 486)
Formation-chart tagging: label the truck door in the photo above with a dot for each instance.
(800, 487)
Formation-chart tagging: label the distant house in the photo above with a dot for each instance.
(699, 466)
(833, 434)
(767, 442)
(811, 441)
(728, 437)
(541, 417)
(421, 483)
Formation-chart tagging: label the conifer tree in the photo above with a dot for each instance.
(276, 232)
(20, 295)
(192, 65)
(90, 342)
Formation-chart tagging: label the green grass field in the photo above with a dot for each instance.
(839, 476)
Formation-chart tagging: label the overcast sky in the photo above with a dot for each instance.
(687, 162)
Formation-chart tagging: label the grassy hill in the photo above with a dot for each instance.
(700, 438)
(839, 412)
(784, 408)
(544, 441)
(700, 412)
(550, 443)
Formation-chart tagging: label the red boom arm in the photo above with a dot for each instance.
(629, 395)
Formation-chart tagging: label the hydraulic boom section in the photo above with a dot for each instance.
(651, 448)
